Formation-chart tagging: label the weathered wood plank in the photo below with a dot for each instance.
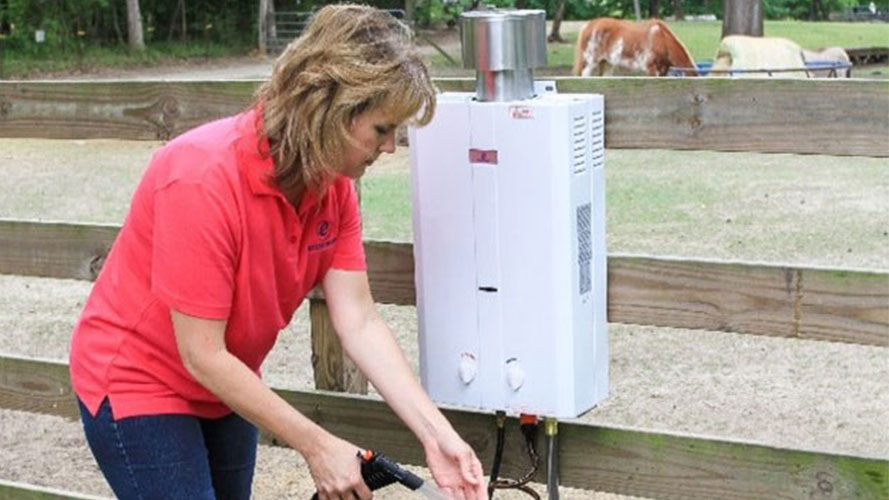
(116, 109)
(12, 490)
(833, 117)
(612, 459)
(825, 304)
(833, 300)
(54, 250)
(750, 298)
(37, 386)
(334, 371)
(390, 269)
(771, 115)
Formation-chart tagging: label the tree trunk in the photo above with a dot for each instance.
(654, 9)
(113, 6)
(554, 35)
(173, 20)
(742, 17)
(820, 11)
(272, 27)
(184, 32)
(134, 26)
(638, 10)
(677, 10)
(409, 8)
(263, 26)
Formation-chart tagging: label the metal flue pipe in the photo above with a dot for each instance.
(504, 47)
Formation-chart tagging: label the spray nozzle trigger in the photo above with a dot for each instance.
(377, 471)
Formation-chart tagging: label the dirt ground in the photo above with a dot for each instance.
(781, 392)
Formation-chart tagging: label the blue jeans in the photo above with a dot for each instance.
(173, 456)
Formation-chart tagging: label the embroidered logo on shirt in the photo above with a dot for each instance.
(324, 236)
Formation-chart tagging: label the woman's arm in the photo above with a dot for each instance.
(332, 461)
(371, 345)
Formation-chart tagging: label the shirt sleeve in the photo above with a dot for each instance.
(349, 252)
(194, 252)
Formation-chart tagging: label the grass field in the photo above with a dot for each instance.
(783, 208)
(702, 38)
(17, 65)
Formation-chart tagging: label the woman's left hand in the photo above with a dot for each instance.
(456, 469)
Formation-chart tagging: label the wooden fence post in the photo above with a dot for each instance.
(334, 371)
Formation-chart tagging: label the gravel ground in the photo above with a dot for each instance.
(788, 393)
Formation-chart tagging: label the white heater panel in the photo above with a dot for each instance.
(510, 253)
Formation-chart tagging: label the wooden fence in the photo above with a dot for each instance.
(838, 117)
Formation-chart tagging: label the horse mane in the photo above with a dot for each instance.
(676, 50)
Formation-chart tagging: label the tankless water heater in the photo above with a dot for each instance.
(509, 235)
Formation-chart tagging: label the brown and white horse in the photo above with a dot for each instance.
(649, 47)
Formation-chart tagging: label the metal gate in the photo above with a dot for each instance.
(284, 26)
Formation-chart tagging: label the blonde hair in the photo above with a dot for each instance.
(349, 60)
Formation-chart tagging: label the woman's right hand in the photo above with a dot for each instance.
(335, 466)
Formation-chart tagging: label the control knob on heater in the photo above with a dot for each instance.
(468, 368)
(515, 375)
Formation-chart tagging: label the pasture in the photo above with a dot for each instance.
(701, 38)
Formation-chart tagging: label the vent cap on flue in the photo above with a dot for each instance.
(504, 47)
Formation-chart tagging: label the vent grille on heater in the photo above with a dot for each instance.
(584, 247)
(598, 139)
(580, 144)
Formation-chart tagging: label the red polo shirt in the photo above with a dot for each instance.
(208, 236)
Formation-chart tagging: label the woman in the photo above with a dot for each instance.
(230, 227)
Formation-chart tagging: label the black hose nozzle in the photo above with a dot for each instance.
(377, 471)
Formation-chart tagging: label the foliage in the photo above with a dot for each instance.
(702, 39)
(74, 29)
(69, 26)
(435, 12)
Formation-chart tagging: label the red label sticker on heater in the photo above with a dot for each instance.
(488, 156)
(521, 112)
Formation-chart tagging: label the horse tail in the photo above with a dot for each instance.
(678, 55)
(583, 39)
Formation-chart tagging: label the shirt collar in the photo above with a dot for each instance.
(256, 163)
(258, 166)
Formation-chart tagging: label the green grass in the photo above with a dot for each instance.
(386, 206)
(802, 209)
(829, 211)
(702, 38)
(18, 64)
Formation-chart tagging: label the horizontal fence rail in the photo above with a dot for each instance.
(831, 117)
(12, 490)
(786, 301)
(595, 457)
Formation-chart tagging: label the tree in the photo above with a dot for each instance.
(742, 17)
(263, 26)
(134, 26)
(817, 11)
(554, 35)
